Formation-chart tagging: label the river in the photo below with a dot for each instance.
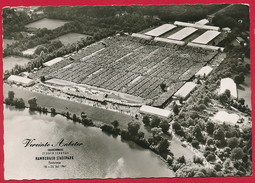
(99, 156)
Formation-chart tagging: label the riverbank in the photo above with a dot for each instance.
(63, 106)
(99, 125)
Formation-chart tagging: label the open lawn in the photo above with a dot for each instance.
(29, 51)
(70, 38)
(47, 23)
(6, 42)
(9, 62)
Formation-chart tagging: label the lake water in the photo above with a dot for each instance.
(47, 23)
(100, 156)
(9, 62)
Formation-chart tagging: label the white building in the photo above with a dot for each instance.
(206, 37)
(183, 33)
(160, 30)
(185, 90)
(20, 80)
(155, 111)
(141, 36)
(204, 71)
(53, 61)
(228, 84)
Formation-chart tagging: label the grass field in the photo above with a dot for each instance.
(29, 51)
(47, 23)
(6, 42)
(70, 38)
(9, 62)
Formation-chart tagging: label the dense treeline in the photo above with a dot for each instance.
(234, 16)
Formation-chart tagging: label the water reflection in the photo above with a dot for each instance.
(100, 156)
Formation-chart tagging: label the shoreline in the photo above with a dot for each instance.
(99, 124)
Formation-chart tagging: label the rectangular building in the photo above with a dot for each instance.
(185, 90)
(206, 37)
(20, 80)
(198, 26)
(160, 30)
(183, 33)
(228, 84)
(53, 61)
(155, 111)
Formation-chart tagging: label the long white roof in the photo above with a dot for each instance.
(207, 47)
(183, 33)
(199, 26)
(228, 84)
(185, 90)
(204, 71)
(53, 61)
(160, 30)
(155, 111)
(19, 79)
(206, 37)
(141, 36)
(202, 22)
(160, 39)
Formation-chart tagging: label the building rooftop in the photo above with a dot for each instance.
(185, 90)
(228, 84)
(198, 26)
(53, 61)
(206, 37)
(183, 33)
(141, 36)
(20, 79)
(155, 111)
(204, 71)
(165, 40)
(160, 30)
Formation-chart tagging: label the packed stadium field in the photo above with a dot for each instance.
(131, 65)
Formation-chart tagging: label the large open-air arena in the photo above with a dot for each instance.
(142, 68)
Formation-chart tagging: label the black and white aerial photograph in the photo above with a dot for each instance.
(138, 91)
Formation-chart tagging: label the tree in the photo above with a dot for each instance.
(210, 157)
(181, 160)
(163, 146)
(19, 103)
(146, 120)
(198, 134)
(156, 134)
(115, 124)
(163, 86)
(133, 128)
(32, 103)
(210, 128)
(228, 93)
(237, 153)
(42, 78)
(201, 107)
(155, 121)
(238, 79)
(11, 95)
(164, 126)
(223, 98)
(195, 144)
(233, 142)
(176, 110)
(83, 115)
(219, 135)
(206, 100)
